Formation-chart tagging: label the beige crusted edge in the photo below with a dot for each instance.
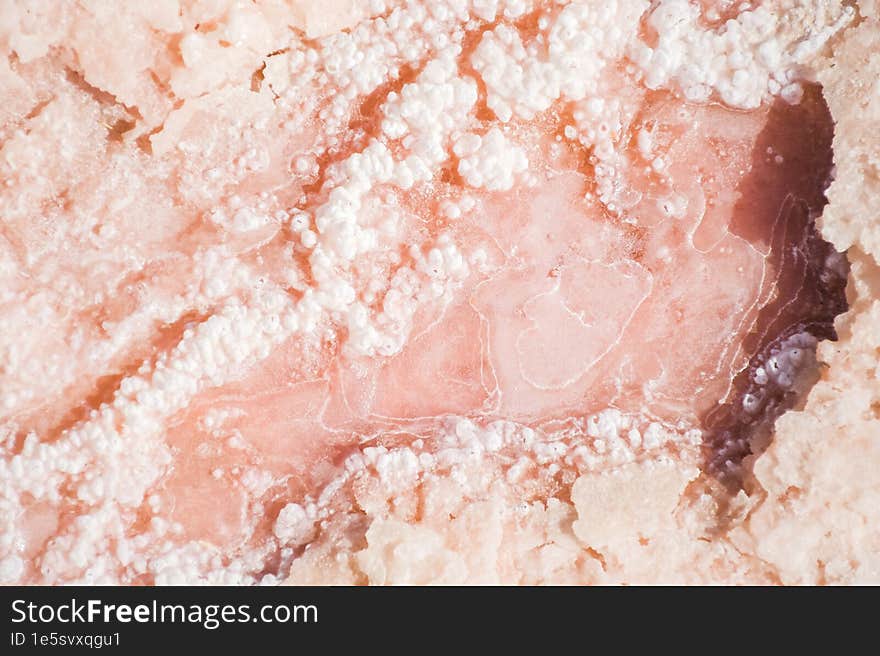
(819, 521)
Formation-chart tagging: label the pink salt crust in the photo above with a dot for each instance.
(459, 291)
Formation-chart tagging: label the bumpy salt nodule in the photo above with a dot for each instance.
(272, 290)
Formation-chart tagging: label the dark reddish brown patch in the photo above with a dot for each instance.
(809, 295)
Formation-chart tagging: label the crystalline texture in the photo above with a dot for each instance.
(340, 302)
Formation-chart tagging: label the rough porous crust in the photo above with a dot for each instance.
(209, 98)
(818, 522)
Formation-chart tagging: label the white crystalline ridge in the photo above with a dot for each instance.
(596, 465)
(760, 53)
(491, 161)
(580, 43)
(483, 476)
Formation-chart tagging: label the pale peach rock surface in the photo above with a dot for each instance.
(459, 291)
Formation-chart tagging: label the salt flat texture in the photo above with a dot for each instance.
(416, 292)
